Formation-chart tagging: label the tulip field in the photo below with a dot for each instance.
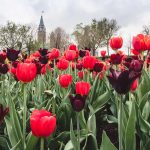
(71, 100)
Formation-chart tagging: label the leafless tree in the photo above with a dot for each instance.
(58, 38)
(97, 34)
(146, 30)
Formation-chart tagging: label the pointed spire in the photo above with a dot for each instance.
(41, 22)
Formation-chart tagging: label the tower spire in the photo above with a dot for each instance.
(42, 31)
(41, 25)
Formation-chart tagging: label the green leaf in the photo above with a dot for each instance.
(73, 137)
(94, 88)
(16, 146)
(3, 143)
(69, 146)
(13, 125)
(101, 101)
(91, 123)
(143, 86)
(144, 100)
(91, 143)
(130, 130)
(111, 119)
(31, 141)
(106, 143)
(144, 125)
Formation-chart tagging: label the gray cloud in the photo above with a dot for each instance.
(131, 15)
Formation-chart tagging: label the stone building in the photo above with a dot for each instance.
(42, 33)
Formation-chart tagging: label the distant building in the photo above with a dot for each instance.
(42, 32)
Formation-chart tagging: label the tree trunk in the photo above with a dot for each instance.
(108, 49)
(93, 50)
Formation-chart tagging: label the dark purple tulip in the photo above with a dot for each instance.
(3, 68)
(43, 59)
(43, 52)
(98, 67)
(136, 65)
(82, 53)
(127, 62)
(2, 57)
(122, 81)
(77, 102)
(12, 54)
(116, 59)
(40, 67)
(79, 66)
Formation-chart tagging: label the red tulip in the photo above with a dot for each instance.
(65, 80)
(116, 43)
(54, 54)
(82, 88)
(26, 72)
(103, 53)
(134, 85)
(135, 52)
(62, 64)
(89, 62)
(70, 55)
(72, 47)
(42, 123)
(81, 74)
(36, 54)
(138, 43)
(147, 42)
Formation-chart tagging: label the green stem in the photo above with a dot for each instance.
(120, 122)
(78, 131)
(24, 115)
(54, 69)
(42, 144)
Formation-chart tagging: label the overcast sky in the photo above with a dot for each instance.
(131, 15)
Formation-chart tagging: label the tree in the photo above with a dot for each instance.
(146, 29)
(16, 36)
(59, 38)
(97, 34)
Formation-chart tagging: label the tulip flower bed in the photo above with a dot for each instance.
(74, 101)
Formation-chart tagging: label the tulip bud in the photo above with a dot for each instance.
(62, 64)
(42, 123)
(136, 65)
(82, 88)
(77, 102)
(43, 52)
(116, 43)
(26, 72)
(12, 54)
(65, 80)
(3, 68)
(98, 67)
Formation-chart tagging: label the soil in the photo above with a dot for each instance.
(111, 131)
